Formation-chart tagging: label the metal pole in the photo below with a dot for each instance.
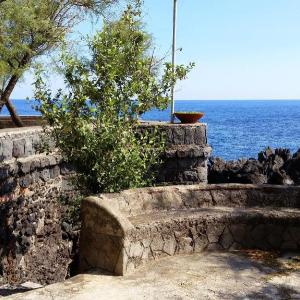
(173, 59)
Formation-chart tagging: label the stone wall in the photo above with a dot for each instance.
(186, 155)
(123, 231)
(32, 182)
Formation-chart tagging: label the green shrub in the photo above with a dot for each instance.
(94, 123)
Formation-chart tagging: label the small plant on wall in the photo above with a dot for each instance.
(94, 122)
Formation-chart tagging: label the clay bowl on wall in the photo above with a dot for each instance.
(189, 117)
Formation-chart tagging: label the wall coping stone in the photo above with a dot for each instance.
(168, 124)
(21, 130)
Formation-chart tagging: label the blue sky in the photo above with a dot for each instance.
(243, 49)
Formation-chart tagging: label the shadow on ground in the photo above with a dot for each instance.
(245, 275)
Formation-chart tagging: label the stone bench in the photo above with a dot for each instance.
(122, 231)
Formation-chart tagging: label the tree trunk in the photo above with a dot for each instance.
(14, 116)
(4, 100)
(6, 93)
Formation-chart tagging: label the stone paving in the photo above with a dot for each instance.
(214, 276)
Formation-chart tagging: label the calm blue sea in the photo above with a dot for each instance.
(235, 128)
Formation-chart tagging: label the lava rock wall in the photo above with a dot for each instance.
(31, 184)
(186, 152)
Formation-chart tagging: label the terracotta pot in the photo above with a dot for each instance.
(189, 118)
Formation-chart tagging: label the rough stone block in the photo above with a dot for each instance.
(146, 242)
(214, 247)
(201, 174)
(28, 148)
(201, 243)
(8, 186)
(190, 176)
(214, 232)
(169, 246)
(36, 143)
(52, 160)
(196, 198)
(185, 245)
(35, 164)
(178, 135)
(169, 136)
(25, 165)
(4, 172)
(238, 197)
(146, 254)
(189, 135)
(170, 153)
(200, 137)
(157, 243)
(221, 197)
(19, 148)
(54, 172)
(7, 169)
(44, 161)
(136, 249)
(6, 149)
(25, 181)
(197, 152)
(45, 175)
(186, 164)
(226, 239)
(239, 232)
(182, 152)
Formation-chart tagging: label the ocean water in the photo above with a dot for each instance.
(236, 129)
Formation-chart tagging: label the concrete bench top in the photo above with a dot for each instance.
(213, 213)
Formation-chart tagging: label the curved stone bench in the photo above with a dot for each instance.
(123, 231)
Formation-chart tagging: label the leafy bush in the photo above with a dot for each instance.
(94, 123)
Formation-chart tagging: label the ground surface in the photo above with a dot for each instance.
(239, 275)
